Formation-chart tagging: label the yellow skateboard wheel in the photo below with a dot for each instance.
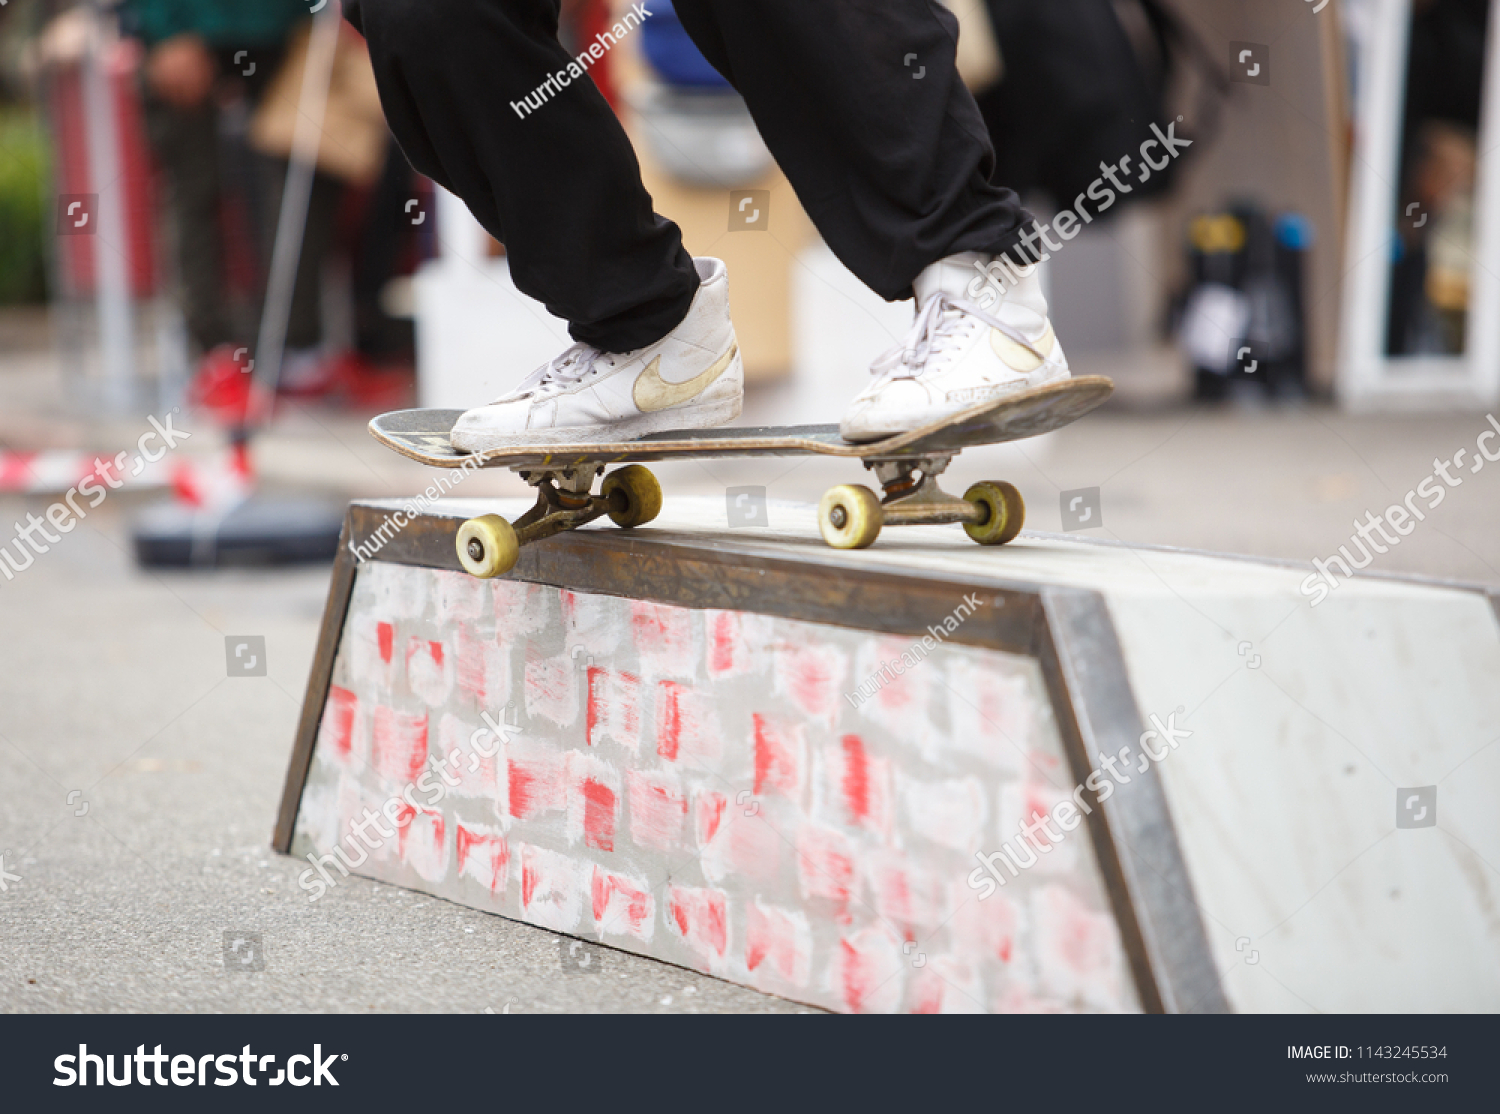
(850, 517)
(1006, 512)
(636, 494)
(487, 546)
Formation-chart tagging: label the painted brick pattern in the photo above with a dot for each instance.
(699, 786)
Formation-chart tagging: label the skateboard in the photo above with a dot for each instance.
(850, 516)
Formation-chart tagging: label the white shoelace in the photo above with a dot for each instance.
(943, 323)
(562, 371)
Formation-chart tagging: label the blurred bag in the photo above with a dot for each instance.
(355, 137)
(979, 63)
(1083, 86)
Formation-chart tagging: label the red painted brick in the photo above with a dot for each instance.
(623, 905)
(424, 843)
(862, 785)
(728, 651)
(778, 942)
(701, 917)
(814, 677)
(779, 757)
(537, 781)
(663, 637)
(399, 745)
(746, 847)
(825, 864)
(551, 888)
(869, 970)
(429, 671)
(614, 708)
(686, 725)
(552, 688)
(483, 855)
(708, 808)
(337, 729)
(593, 801)
(657, 809)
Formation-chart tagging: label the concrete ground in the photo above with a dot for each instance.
(138, 783)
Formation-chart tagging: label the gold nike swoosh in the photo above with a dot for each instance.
(1024, 358)
(652, 392)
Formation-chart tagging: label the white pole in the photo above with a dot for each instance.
(292, 222)
(111, 240)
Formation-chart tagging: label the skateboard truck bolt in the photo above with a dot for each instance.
(476, 550)
(839, 517)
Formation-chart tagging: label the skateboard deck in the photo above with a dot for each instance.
(850, 516)
(423, 434)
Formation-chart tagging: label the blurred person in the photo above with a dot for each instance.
(1082, 82)
(202, 55)
(1428, 311)
(355, 156)
(892, 165)
(385, 236)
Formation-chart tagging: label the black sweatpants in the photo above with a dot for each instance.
(859, 101)
(188, 146)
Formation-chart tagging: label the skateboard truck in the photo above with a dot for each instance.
(489, 546)
(851, 516)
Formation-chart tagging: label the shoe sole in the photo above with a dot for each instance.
(927, 417)
(704, 416)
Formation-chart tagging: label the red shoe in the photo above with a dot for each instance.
(218, 483)
(222, 385)
(307, 374)
(365, 385)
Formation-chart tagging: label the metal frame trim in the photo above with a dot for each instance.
(320, 677)
(1134, 837)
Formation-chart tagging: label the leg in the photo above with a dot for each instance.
(861, 103)
(187, 143)
(383, 235)
(558, 184)
(305, 325)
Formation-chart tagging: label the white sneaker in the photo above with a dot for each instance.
(958, 353)
(691, 378)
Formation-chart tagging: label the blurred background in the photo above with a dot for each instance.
(199, 199)
(1309, 258)
(1313, 252)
